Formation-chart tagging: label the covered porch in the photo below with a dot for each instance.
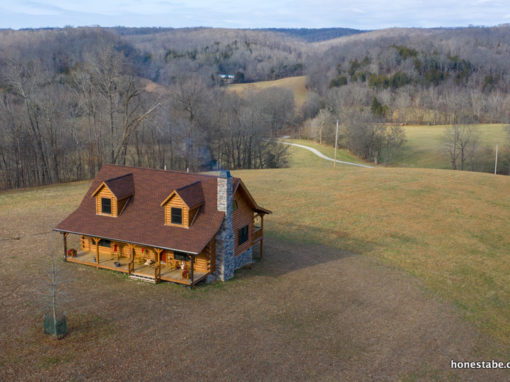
(257, 234)
(154, 271)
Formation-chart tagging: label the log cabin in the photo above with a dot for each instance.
(158, 225)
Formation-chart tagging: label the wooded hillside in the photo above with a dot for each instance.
(418, 76)
(76, 98)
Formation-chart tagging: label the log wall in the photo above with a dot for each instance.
(176, 202)
(204, 262)
(106, 193)
(241, 217)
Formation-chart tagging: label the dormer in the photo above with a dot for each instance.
(113, 195)
(182, 206)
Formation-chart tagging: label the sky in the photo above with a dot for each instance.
(358, 14)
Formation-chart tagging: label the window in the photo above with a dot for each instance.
(106, 205)
(242, 235)
(105, 243)
(176, 215)
(181, 256)
(234, 205)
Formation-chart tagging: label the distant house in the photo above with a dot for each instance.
(158, 225)
(227, 76)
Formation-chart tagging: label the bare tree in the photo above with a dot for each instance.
(451, 144)
(109, 75)
(54, 317)
(190, 98)
(395, 138)
(460, 144)
(322, 126)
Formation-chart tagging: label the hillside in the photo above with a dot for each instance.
(296, 84)
(418, 76)
(425, 147)
(444, 227)
(56, 78)
(316, 34)
(305, 34)
(389, 258)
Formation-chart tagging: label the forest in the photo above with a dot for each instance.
(75, 98)
(419, 76)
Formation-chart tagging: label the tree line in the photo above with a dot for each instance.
(63, 116)
(420, 77)
(72, 99)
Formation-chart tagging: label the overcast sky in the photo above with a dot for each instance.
(360, 14)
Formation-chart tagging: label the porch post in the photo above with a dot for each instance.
(158, 255)
(64, 236)
(96, 242)
(262, 237)
(158, 267)
(192, 261)
(131, 258)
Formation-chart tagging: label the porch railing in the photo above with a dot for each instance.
(257, 233)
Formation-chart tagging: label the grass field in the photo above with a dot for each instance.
(297, 84)
(446, 228)
(424, 148)
(297, 159)
(383, 272)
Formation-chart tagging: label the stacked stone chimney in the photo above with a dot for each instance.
(225, 264)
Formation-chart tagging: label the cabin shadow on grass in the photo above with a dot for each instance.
(279, 259)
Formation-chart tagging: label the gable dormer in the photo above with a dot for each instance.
(113, 195)
(183, 205)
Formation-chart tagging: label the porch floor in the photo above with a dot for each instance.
(108, 262)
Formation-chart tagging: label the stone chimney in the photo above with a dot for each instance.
(225, 237)
(225, 192)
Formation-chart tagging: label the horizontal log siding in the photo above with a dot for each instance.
(122, 249)
(106, 193)
(204, 262)
(241, 217)
(176, 202)
(85, 243)
(90, 246)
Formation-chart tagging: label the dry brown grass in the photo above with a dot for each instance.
(297, 84)
(447, 228)
(310, 311)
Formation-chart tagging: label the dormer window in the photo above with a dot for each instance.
(106, 206)
(176, 215)
(113, 195)
(182, 206)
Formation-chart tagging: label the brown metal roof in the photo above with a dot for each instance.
(238, 184)
(191, 194)
(142, 221)
(122, 186)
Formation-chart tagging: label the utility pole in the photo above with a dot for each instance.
(336, 142)
(496, 161)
